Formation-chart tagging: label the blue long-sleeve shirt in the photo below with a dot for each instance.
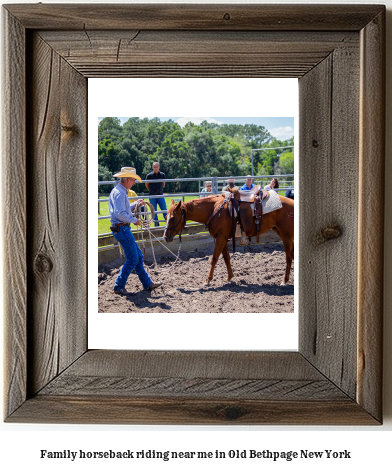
(119, 207)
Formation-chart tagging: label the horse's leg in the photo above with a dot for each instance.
(276, 230)
(289, 250)
(244, 239)
(247, 223)
(220, 242)
(226, 256)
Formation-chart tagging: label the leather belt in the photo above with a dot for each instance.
(116, 227)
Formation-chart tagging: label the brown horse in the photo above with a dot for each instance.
(220, 227)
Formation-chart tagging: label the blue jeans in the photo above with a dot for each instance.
(289, 193)
(134, 260)
(162, 206)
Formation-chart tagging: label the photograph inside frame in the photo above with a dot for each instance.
(196, 214)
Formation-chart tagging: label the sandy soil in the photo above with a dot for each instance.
(255, 288)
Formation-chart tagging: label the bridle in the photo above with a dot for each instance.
(183, 216)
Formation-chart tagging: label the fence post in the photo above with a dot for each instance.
(215, 185)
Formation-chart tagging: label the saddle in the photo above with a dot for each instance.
(249, 196)
(254, 197)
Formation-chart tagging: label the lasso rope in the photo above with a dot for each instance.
(163, 245)
(142, 215)
(145, 225)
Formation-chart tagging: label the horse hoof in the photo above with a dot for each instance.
(206, 283)
(283, 283)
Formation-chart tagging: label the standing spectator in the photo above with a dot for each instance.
(230, 185)
(273, 185)
(207, 190)
(248, 184)
(121, 217)
(156, 189)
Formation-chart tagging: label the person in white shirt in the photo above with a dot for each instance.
(273, 185)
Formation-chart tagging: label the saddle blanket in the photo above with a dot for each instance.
(271, 203)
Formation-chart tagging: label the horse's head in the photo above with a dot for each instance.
(175, 221)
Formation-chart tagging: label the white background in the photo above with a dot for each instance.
(169, 98)
(370, 447)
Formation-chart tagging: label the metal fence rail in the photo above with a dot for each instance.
(194, 233)
(217, 185)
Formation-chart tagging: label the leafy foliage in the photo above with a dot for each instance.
(204, 150)
(104, 175)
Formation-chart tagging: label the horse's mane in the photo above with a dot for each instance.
(208, 198)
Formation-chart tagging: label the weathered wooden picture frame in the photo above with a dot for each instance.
(338, 54)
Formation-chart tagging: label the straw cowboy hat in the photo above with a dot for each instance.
(128, 173)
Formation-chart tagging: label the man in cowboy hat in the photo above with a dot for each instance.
(121, 217)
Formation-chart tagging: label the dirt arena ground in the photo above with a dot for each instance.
(255, 288)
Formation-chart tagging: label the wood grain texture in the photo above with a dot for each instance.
(371, 216)
(14, 224)
(109, 410)
(328, 225)
(208, 364)
(206, 374)
(193, 53)
(208, 387)
(194, 17)
(57, 193)
(191, 387)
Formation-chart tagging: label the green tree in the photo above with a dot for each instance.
(108, 155)
(286, 162)
(267, 161)
(109, 126)
(104, 175)
(285, 165)
(194, 151)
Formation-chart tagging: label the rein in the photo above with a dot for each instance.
(218, 209)
(146, 225)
